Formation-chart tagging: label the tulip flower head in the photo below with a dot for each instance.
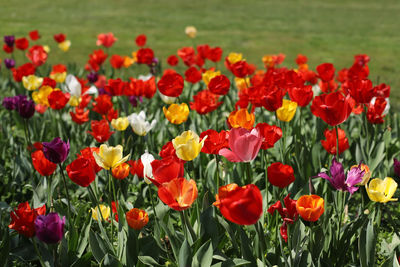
(42, 165)
(32, 82)
(50, 228)
(120, 124)
(240, 205)
(241, 119)
(137, 218)
(23, 219)
(121, 171)
(179, 193)
(310, 207)
(367, 173)
(191, 31)
(56, 151)
(244, 145)
(146, 160)
(74, 88)
(139, 124)
(105, 212)
(110, 157)
(338, 180)
(287, 111)
(177, 113)
(188, 145)
(381, 190)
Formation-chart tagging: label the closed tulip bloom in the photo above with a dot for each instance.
(100, 130)
(146, 160)
(56, 151)
(50, 228)
(109, 157)
(331, 138)
(32, 82)
(26, 108)
(64, 46)
(310, 207)
(139, 124)
(121, 172)
(381, 190)
(191, 31)
(280, 175)
(287, 110)
(244, 145)
(42, 165)
(209, 75)
(240, 205)
(137, 218)
(177, 113)
(241, 118)
(120, 124)
(188, 145)
(81, 172)
(179, 193)
(105, 212)
(166, 169)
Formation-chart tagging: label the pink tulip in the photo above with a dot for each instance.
(244, 145)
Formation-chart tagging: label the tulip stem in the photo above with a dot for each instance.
(337, 142)
(154, 208)
(67, 194)
(217, 173)
(248, 171)
(110, 195)
(37, 252)
(26, 131)
(187, 224)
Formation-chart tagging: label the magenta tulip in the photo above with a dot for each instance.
(244, 145)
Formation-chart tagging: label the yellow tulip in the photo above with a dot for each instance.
(367, 174)
(105, 212)
(64, 46)
(381, 190)
(191, 31)
(177, 113)
(32, 82)
(74, 101)
(46, 48)
(40, 96)
(109, 156)
(188, 145)
(241, 83)
(287, 110)
(120, 124)
(234, 57)
(208, 75)
(59, 76)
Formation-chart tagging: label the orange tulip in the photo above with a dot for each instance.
(121, 172)
(178, 194)
(310, 207)
(241, 118)
(137, 218)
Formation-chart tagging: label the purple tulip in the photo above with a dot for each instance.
(396, 165)
(25, 107)
(9, 63)
(93, 77)
(338, 179)
(56, 151)
(9, 40)
(50, 228)
(9, 103)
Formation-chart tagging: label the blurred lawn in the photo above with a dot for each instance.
(325, 31)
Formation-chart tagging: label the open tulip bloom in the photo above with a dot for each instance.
(139, 124)
(338, 179)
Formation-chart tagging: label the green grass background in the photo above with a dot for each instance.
(325, 31)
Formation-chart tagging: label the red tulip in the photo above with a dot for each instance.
(280, 175)
(215, 141)
(87, 153)
(136, 167)
(22, 43)
(376, 111)
(362, 91)
(80, 116)
(57, 99)
(59, 38)
(81, 172)
(116, 61)
(240, 205)
(171, 85)
(333, 108)
(42, 165)
(166, 169)
(23, 219)
(145, 56)
(37, 55)
(102, 104)
(271, 134)
(219, 85)
(330, 143)
(178, 194)
(205, 102)
(192, 75)
(34, 35)
(101, 130)
(301, 95)
(121, 171)
(214, 54)
(141, 40)
(326, 71)
(172, 60)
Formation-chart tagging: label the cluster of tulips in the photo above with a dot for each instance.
(225, 147)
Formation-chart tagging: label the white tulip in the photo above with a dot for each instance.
(139, 124)
(146, 159)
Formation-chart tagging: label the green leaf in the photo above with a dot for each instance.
(84, 239)
(231, 263)
(203, 256)
(110, 261)
(95, 247)
(149, 261)
(185, 255)
(246, 247)
(366, 245)
(4, 248)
